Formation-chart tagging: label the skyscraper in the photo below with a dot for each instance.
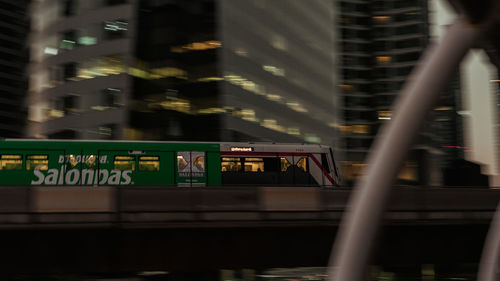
(381, 43)
(14, 27)
(204, 70)
(78, 81)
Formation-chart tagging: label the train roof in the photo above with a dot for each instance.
(123, 144)
(271, 147)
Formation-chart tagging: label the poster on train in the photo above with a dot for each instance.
(191, 168)
(184, 163)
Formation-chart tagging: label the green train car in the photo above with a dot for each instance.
(150, 163)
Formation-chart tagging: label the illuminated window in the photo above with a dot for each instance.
(230, 164)
(50, 51)
(163, 72)
(197, 46)
(274, 97)
(209, 79)
(68, 40)
(115, 29)
(346, 129)
(408, 171)
(296, 106)
(302, 164)
(181, 105)
(246, 84)
(124, 162)
(443, 108)
(274, 70)
(312, 138)
(383, 59)
(211, 110)
(91, 162)
(284, 164)
(149, 163)
(384, 114)
(87, 40)
(346, 87)
(352, 170)
(254, 164)
(106, 131)
(246, 114)
(72, 160)
(242, 52)
(381, 18)
(104, 66)
(273, 125)
(293, 131)
(37, 161)
(11, 162)
(361, 129)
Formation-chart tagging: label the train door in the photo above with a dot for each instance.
(295, 169)
(31, 167)
(135, 167)
(191, 168)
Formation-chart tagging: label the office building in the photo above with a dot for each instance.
(199, 70)
(381, 43)
(14, 27)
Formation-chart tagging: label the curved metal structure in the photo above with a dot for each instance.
(355, 237)
(488, 267)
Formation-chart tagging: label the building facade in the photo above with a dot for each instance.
(80, 50)
(381, 43)
(204, 70)
(14, 30)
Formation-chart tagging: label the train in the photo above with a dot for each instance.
(160, 163)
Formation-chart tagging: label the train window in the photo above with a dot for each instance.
(11, 162)
(284, 164)
(91, 162)
(230, 164)
(149, 163)
(302, 164)
(124, 162)
(73, 161)
(324, 162)
(37, 161)
(254, 164)
(199, 164)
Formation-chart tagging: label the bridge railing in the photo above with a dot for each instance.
(175, 207)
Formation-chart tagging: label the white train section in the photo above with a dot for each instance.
(314, 159)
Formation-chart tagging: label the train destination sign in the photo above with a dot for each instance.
(241, 149)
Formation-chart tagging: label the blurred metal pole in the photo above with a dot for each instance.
(490, 258)
(355, 238)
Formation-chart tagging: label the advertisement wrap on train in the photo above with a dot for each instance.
(165, 164)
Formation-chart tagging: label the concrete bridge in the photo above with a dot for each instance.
(108, 229)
